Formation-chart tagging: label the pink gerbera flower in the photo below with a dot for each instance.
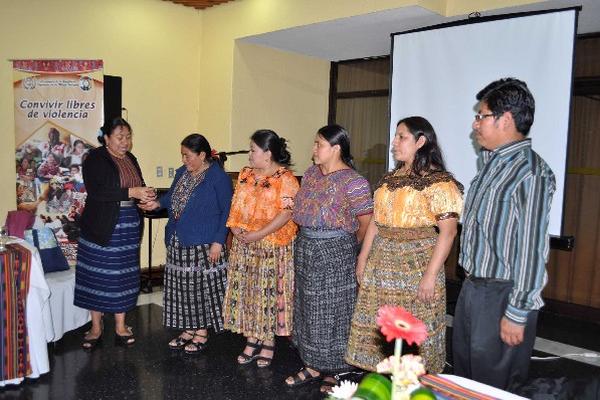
(397, 323)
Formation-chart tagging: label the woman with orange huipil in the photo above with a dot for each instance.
(258, 300)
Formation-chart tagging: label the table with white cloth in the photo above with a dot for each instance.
(64, 315)
(447, 387)
(49, 311)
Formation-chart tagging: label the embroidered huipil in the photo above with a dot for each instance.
(505, 223)
(259, 199)
(416, 202)
(332, 201)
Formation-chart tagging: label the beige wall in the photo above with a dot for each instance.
(278, 90)
(224, 24)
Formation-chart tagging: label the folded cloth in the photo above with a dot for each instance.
(451, 390)
(18, 221)
(53, 259)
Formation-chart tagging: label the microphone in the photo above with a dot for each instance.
(223, 154)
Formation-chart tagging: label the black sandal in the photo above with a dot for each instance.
(247, 359)
(328, 383)
(198, 346)
(180, 342)
(125, 340)
(267, 360)
(302, 377)
(90, 344)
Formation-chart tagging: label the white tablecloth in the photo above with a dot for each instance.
(482, 388)
(50, 312)
(64, 316)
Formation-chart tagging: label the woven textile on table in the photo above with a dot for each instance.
(15, 264)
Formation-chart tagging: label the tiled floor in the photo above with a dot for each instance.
(149, 370)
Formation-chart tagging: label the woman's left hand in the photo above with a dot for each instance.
(214, 252)
(426, 291)
(254, 236)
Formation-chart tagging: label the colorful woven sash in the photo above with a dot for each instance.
(451, 389)
(15, 265)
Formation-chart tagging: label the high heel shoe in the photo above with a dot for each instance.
(125, 340)
(90, 344)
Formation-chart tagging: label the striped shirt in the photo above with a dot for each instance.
(505, 224)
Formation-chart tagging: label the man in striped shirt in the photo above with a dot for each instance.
(504, 242)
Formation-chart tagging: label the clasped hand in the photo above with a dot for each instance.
(143, 193)
(246, 236)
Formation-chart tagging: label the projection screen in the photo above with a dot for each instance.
(437, 71)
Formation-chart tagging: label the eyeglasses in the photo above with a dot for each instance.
(479, 117)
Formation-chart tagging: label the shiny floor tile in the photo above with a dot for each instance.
(150, 370)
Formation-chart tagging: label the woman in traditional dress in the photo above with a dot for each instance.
(333, 209)
(195, 274)
(401, 262)
(107, 277)
(259, 297)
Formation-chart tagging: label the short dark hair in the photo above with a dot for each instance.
(513, 96)
(109, 128)
(429, 157)
(336, 134)
(268, 140)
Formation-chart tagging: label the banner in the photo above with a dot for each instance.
(58, 111)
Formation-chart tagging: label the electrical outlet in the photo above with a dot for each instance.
(171, 172)
(159, 172)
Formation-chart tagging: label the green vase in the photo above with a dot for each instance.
(374, 387)
(422, 394)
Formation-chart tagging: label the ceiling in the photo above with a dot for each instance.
(199, 4)
(369, 35)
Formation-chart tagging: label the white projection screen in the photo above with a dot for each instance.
(437, 71)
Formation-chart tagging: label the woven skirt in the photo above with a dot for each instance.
(394, 269)
(260, 288)
(107, 278)
(193, 287)
(324, 297)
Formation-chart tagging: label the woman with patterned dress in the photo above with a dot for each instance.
(195, 273)
(333, 209)
(401, 262)
(258, 300)
(107, 277)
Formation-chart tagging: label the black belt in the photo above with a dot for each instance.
(475, 279)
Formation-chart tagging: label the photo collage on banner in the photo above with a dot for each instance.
(58, 111)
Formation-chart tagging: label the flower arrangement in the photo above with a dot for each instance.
(405, 371)
(345, 390)
(397, 324)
